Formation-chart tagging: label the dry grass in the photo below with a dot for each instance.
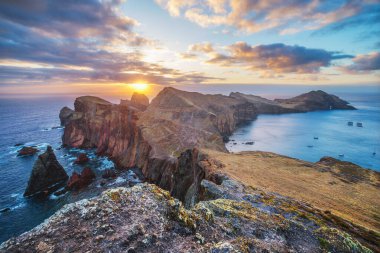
(316, 184)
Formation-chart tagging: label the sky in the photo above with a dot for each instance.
(105, 47)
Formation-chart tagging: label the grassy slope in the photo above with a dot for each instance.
(319, 185)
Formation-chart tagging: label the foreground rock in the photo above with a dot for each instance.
(27, 151)
(147, 219)
(47, 174)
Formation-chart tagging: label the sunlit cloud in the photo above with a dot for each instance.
(274, 59)
(287, 17)
(71, 41)
(363, 64)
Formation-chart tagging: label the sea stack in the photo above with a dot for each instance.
(47, 174)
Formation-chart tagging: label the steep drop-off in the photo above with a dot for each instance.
(164, 138)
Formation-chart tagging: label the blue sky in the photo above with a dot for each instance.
(103, 46)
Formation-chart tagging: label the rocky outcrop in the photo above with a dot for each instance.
(27, 151)
(79, 181)
(47, 174)
(65, 115)
(82, 159)
(315, 100)
(138, 101)
(146, 218)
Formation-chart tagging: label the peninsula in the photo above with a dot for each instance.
(202, 198)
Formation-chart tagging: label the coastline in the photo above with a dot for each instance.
(192, 167)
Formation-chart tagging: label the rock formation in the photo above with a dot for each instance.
(146, 218)
(26, 151)
(81, 159)
(161, 138)
(65, 115)
(79, 181)
(47, 174)
(138, 101)
(313, 101)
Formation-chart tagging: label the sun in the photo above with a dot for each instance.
(139, 86)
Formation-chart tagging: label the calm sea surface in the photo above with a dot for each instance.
(32, 122)
(310, 136)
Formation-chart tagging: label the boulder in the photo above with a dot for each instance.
(139, 99)
(81, 159)
(47, 174)
(26, 151)
(65, 115)
(78, 181)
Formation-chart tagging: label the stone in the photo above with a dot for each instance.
(47, 174)
(65, 115)
(139, 99)
(82, 159)
(27, 151)
(79, 181)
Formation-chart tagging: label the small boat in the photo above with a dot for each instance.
(350, 123)
(316, 138)
(359, 124)
(341, 155)
(309, 146)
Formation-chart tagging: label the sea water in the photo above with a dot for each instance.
(36, 122)
(310, 136)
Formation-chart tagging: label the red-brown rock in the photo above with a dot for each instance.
(82, 159)
(25, 151)
(78, 181)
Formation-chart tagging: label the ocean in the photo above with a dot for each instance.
(310, 136)
(34, 121)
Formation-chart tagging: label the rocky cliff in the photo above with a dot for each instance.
(146, 218)
(164, 137)
(160, 139)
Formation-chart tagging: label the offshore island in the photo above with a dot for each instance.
(198, 197)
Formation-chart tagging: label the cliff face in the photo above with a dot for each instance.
(163, 138)
(159, 140)
(111, 129)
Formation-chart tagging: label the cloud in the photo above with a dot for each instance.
(275, 59)
(257, 15)
(205, 47)
(79, 41)
(364, 63)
